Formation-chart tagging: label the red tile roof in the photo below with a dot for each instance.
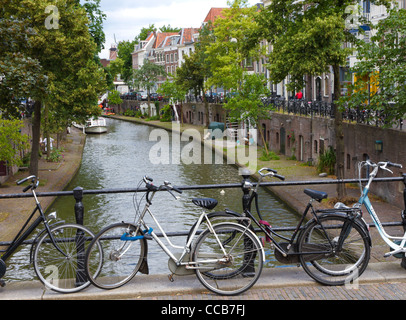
(213, 14)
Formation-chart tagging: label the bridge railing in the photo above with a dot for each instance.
(79, 192)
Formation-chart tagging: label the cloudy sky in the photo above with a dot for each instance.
(126, 18)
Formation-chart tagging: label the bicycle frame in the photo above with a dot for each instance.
(186, 248)
(23, 235)
(364, 200)
(267, 229)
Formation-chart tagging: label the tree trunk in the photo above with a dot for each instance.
(339, 134)
(36, 132)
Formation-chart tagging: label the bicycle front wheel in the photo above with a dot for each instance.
(60, 265)
(229, 260)
(323, 259)
(120, 259)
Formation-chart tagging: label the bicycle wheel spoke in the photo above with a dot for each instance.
(333, 265)
(62, 271)
(120, 260)
(233, 272)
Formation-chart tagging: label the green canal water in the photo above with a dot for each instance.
(119, 159)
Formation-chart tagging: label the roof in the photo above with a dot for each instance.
(163, 38)
(187, 35)
(213, 14)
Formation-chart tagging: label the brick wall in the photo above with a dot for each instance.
(306, 138)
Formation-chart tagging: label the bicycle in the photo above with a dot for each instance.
(396, 244)
(333, 247)
(227, 257)
(57, 252)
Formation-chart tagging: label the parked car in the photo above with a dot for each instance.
(143, 95)
(154, 96)
(135, 95)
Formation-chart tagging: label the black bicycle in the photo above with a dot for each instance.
(57, 252)
(333, 247)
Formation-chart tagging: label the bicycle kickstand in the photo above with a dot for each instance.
(170, 277)
(2, 283)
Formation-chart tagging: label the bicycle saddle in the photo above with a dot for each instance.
(316, 195)
(207, 203)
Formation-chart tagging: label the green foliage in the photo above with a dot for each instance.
(327, 161)
(166, 114)
(268, 155)
(114, 97)
(55, 155)
(12, 141)
(382, 66)
(147, 76)
(125, 48)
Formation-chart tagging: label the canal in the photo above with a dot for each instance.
(121, 157)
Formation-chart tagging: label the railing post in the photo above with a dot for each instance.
(403, 215)
(79, 239)
(246, 186)
(79, 208)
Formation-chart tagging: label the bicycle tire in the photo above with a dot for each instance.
(242, 264)
(60, 273)
(116, 268)
(334, 268)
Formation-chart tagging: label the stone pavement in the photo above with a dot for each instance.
(279, 283)
(52, 176)
(381, 281)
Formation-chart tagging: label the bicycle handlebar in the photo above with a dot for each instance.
(32, 185)
(166, 186)
(271, 172)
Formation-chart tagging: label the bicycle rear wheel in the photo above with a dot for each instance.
(63, 272)
(228, 261)
(327, 264)
(119, 259)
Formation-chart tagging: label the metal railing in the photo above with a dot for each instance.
(79, 192)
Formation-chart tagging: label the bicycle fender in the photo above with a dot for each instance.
(359, 221)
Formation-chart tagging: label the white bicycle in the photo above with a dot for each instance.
(226, 257)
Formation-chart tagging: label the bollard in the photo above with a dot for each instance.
(246, 187)
(79, 239)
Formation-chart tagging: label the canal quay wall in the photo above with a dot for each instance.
(294, 197)
(56, 176)
(305, 138)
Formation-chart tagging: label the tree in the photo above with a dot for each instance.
(307, 39)
(168, 28)
(20, 73)
(175, 92)
(96, 18)
(61, 44)
(11, 141)
(147, 76)
(229, 58)
(191, 74)
(381, 71)
(125, 48)
(145, 32)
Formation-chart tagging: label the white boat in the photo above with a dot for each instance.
(93, 125)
